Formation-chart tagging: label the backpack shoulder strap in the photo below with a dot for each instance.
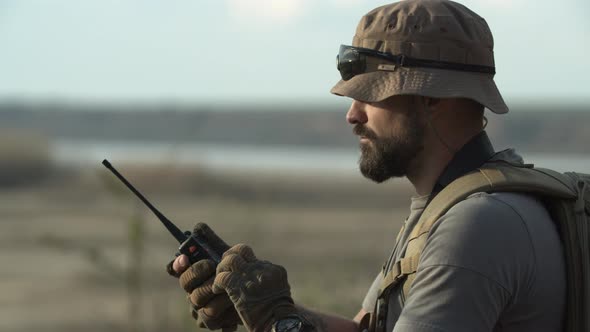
(492, 177)
(495, 178)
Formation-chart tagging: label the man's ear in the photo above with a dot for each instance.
(434, 106)
(432, 103)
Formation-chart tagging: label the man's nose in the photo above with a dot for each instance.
(356, 113)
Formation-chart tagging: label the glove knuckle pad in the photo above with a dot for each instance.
(222, 280)
(240, 249)
(226, 263)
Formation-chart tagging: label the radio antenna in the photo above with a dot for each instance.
(175, 231)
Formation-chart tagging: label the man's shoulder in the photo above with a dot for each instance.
(485, 232)
(500, 211)
(509, 204)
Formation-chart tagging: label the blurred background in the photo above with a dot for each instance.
(219, 111)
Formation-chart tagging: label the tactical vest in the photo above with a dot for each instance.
(567, 199)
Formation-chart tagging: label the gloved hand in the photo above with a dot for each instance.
(258, 289)
(212, 311)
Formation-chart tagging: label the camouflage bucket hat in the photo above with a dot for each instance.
(432, 48)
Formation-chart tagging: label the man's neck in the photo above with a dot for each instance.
(425, 170)
(439, 167)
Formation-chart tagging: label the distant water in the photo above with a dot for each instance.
(295, 158)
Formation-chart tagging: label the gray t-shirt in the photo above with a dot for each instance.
(493, 262)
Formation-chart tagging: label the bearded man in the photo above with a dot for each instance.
(420, 74)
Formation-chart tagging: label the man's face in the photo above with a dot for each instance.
(391, 135)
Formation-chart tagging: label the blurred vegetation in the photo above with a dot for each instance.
(25, 157)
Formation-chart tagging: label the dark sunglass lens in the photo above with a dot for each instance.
(349, 62)
(346, 71)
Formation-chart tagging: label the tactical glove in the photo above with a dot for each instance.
(212, 311)
(258, 289)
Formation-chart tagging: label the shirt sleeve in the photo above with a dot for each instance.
(476, 258)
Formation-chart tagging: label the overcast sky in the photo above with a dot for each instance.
(254, 50)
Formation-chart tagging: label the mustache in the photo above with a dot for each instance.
(361, 130)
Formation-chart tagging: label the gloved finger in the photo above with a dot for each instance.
(217, 307)
(197, 274)
(225, 280)
(231, 263)
(202, 294)
(243, 250)
(215, 242)
(228, 321)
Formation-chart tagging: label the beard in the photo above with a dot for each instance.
(385, 157)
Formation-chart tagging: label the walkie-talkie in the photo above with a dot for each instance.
(200, 244)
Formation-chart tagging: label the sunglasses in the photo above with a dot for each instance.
(352, 61)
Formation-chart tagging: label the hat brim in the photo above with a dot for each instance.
(429, 82)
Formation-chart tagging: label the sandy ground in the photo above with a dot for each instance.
(66, 253)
